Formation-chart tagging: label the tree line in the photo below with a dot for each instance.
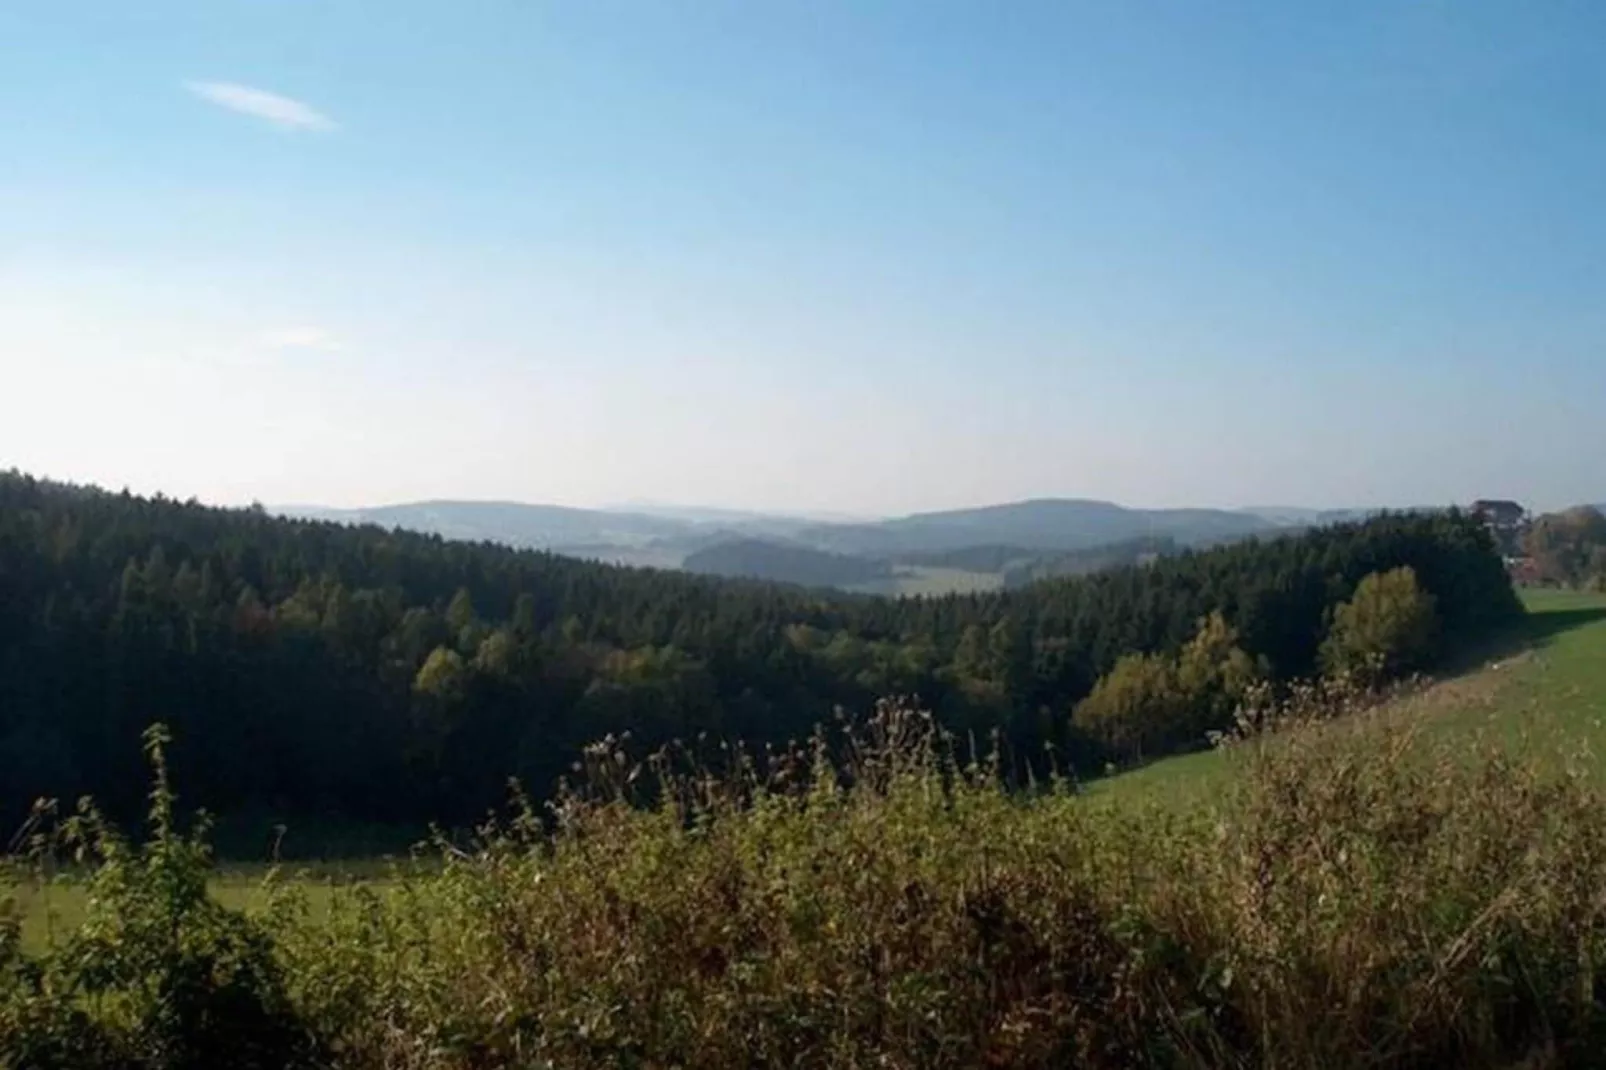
(310, 668)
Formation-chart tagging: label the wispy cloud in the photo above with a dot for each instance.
(283, 112)
(299, 338)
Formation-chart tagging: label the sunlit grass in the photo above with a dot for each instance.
(53, 905)
(1540, 694)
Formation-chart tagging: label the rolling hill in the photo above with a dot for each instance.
(1044, 524)
(928, 553)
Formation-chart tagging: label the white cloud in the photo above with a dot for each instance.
(299, 338)
(283, 112)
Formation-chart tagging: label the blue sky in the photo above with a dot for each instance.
(871, 257)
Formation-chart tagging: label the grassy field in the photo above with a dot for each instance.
(52, 906)
(911, 580)
(1548, 699)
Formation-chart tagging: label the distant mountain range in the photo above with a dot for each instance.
(960, 549)
(707, 514)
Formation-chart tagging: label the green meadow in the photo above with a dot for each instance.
(1539, 694)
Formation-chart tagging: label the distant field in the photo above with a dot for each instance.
(1542, 696)
(924, 580)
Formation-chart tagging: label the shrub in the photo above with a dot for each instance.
(1354, 897)
(158, 974)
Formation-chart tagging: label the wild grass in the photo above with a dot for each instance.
(1357, 894)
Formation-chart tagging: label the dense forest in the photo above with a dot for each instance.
(310, 668)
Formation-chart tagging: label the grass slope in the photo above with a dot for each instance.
(1541, 695)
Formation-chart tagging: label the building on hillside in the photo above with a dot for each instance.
(1506, 521)
(1499, 512)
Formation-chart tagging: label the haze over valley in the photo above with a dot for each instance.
(927, 553)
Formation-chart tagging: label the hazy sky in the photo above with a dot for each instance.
(869, 256)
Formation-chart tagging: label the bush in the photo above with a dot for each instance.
(1389, 628)
(158, 974)
(1352, 898)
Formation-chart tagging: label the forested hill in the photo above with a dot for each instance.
(1041, 525)
(770, 560)
(314, 668)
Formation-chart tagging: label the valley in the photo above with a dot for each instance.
(956, 551)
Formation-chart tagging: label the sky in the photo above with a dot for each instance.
(870, 257)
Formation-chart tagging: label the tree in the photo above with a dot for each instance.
(1133, 707)
(498, 654)
(1390, 627)
(460, 613)
(442, 676)
(440, 693)
(1214, 673)
(1153, 702)
(1568, 547)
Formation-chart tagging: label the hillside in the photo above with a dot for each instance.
(1042, 525)
(965, 570)
(782, 563)
(373, 675)
(1299, 517)
(1094, 559)
(1340, 869)
(1539, 694)
(975, 547)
